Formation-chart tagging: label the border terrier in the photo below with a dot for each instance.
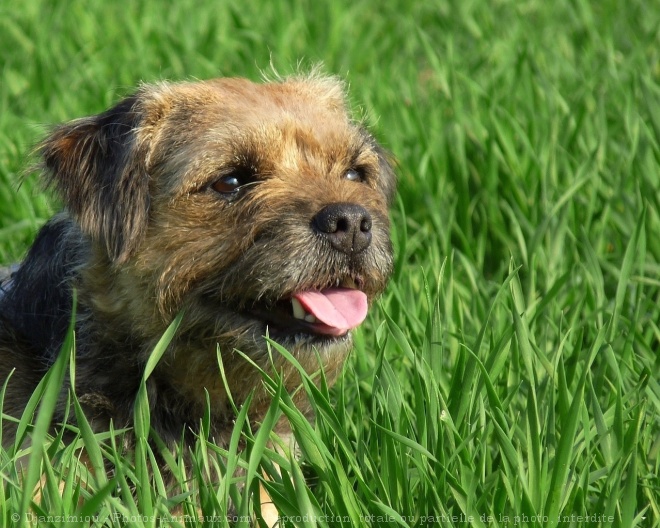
(256, 209)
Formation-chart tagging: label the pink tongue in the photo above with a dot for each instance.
(340, 309)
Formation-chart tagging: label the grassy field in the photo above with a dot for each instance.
(510, 375)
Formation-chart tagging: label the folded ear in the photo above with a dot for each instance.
(98, 166)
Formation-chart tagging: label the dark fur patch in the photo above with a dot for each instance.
(38, 302)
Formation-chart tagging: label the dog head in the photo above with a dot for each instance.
(259, 208)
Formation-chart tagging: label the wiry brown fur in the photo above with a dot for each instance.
(144, 235)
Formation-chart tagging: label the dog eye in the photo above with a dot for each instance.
(228, 184)
(353, 175)
(234, 180)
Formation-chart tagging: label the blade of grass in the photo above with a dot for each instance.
(564, 454)
(142, 420)
(630, 259)
(52, 387)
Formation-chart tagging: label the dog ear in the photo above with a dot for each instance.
(98, 167)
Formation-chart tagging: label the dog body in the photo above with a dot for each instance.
(256, 209)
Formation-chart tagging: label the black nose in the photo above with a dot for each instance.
(347, 226)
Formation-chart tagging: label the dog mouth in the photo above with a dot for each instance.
(328, 313)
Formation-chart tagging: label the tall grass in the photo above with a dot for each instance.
(510, 374)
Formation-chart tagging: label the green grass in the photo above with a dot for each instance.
(511, 371)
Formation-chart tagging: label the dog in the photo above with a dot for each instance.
(253, 209)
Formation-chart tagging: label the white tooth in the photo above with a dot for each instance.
(310, 318)
(298, 310)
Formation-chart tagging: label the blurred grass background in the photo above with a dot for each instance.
(512, 367)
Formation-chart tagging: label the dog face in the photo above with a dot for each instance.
(258, 208)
